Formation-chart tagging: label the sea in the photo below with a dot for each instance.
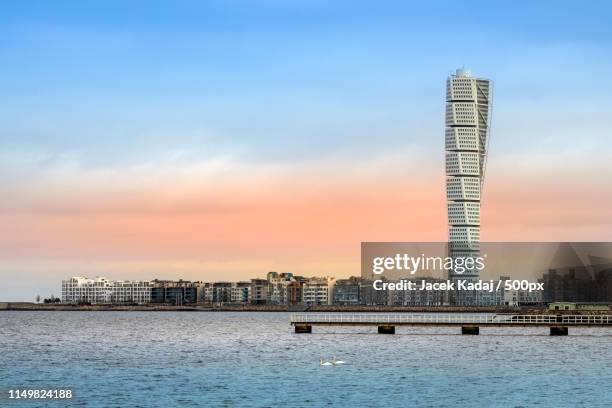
(250, 359)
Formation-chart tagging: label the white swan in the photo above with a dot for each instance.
(337, 362)
(325, 363)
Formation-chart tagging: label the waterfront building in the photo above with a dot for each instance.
(518, 298)
(284, 288)
(259, 291)
(278, 283)
(207, 293)
(318, 291)
(580, 283)
(278, 293)
(219, 292)
(240, 292)
(468, 114)
(176, 292)
(585, 306)
(373, 297)
(294, 292)
(347, 291)
(280, 289)
(80, 289)
(424, 297)
(495, 298)
(275, 277)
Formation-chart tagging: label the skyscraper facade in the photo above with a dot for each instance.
(468, 116)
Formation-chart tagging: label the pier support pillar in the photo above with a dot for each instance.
(303, 328)
(474, 330)
(558, 330)
(386, 329)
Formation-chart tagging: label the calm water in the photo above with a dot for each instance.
(142, 359)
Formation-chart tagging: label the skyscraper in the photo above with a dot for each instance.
(468, 115)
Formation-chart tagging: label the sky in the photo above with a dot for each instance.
(220, 140)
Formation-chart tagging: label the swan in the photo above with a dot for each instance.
(337, 362)
(325, 363)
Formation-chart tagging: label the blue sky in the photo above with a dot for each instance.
(121, 82)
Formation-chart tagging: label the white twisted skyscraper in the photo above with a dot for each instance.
(468, 115)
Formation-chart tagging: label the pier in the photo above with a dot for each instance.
(470, 323)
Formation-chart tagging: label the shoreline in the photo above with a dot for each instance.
(27, 306)
(245, 308)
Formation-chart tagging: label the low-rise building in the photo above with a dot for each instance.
(318, 291)
(420, 297)
(523, 298)
(176, 292)
(373, 297)
(219, 292)
(259, 291)
(586, 306)
(241, 292)
(294, 292)
(284, 288)
(347, 291)
(80, 289)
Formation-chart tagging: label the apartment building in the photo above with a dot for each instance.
(347, 291)
(318, 291)
(80, 289)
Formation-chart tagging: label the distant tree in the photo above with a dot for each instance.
(52, 299)
(37, 298)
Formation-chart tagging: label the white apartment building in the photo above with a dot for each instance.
(281, 289)
(218, 292)
(279, 292)
(240, 292)
(318, 291)
(80, 289)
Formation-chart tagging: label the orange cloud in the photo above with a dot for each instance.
(223, 218)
